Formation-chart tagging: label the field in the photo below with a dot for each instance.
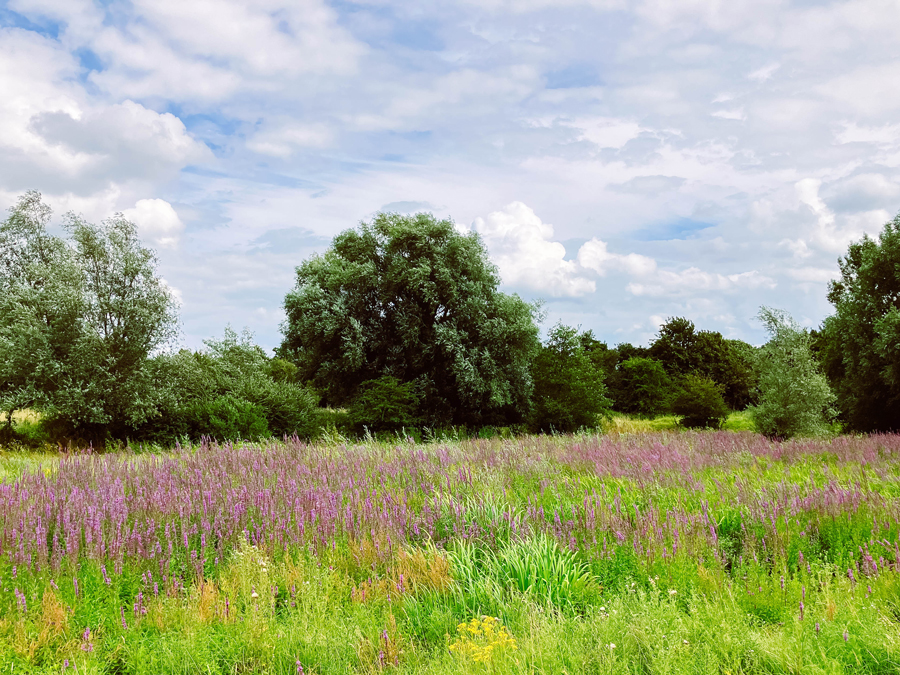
(650, 552)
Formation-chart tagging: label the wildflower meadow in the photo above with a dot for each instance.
(663, 552)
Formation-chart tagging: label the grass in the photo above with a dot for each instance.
(637, 552)
(633, 424)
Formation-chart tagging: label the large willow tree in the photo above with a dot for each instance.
(412, 298)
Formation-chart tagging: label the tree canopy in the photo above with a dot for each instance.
(412, 298)
(569, 392)
(641, 386)
(78, 319)
(683, 350)
(860, 343)
(794, 396)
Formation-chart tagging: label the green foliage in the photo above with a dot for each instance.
(229, 390)
(384, 404)
(603, 358)
(683, 350)
(78, 321)
(281, 370)
(568, 390)
(412, 298)
(700, 403)
(794, 397)
(641, 386)
(860, 343)
(231, 418)
(536, 567)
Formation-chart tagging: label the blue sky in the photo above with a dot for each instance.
(623, 161)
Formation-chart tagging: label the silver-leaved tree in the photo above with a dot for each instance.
(79, 317)
(794, 396)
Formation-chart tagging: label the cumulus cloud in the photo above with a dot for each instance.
(696, 281)
(54, 137)
(157, 222)
(522, 246)
(594, 255)
(211, 49)
(125, 138)
(523, 249)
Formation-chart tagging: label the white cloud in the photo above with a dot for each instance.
(54, 137)
(863, 91)
(694, 281)
(283, 141)
(593, 255)
(605, 132)
(887, 134)
(520, 6)
(157, 222)
(523, 249)
(764, 73)
(815, 275)
(205, 50)
(733, 114)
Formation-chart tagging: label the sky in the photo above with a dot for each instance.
(625, 162)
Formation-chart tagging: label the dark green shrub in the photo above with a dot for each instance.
(569, 393)
(641, 386)
(384, 404)
(231, 418)
(190, 384)
(700, 403)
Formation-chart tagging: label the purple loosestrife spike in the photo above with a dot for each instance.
(818, 628)
(801, 610)
(122, 614)
(846, 636)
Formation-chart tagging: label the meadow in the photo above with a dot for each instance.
(631, 551)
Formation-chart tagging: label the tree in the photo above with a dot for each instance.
(78, 320)
(603, 358)
(642, 386)
(794, 396)
(700, 402)
(412, 298)
(568, 389)
(684, 350)
(860, 343)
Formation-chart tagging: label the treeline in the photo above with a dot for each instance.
(400, 325)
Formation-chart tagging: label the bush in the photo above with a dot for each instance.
(384, 404)
(231, 418)
(568, 390)
(641, 386)
(253, 387)
(700, 403)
